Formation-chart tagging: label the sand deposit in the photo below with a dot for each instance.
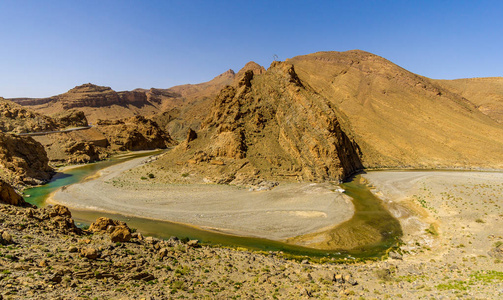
(286, 211)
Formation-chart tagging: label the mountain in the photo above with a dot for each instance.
(400, 119)
(97, 102)
(485, 93)
(269, 126)
(325, 115)
(184, 105)
(319, 116)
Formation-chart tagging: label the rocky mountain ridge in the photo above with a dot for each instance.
(392, 117)
(270, 126)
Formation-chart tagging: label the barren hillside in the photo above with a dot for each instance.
(485, 93)
(400, 119)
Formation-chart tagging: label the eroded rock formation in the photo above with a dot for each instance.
(71, 118)
(17, 119)
(276, 128)
(9, 196)
(23, 160)
(136, 133)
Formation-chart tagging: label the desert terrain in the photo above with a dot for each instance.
(452, 249)
(261, 153)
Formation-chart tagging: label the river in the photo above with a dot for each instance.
(370, 216)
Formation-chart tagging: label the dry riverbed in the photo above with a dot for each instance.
(288, 210)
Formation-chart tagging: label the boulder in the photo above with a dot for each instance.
(121, 233)
(193, 244)
(60, 210)
(89, 253)
(6, 238)
(9, 196)
(118, 230)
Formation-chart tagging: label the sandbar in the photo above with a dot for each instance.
(288, 210)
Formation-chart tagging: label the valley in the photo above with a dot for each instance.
(340, 173)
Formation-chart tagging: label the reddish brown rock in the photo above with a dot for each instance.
(9, 196)
(60, 210)
(119, 231)
(24, 160)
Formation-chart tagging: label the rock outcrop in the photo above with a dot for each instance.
(119, 231)
(17, 119)
(9, 196)
(277, 128)
(71, 118)
(23, 160)
(136, 133)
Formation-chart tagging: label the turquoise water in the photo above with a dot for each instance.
(367, 207)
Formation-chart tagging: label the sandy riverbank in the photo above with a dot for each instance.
(289, 210)
(452, 216)
(452, 221)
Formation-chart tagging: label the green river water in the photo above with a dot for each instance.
(368, 211)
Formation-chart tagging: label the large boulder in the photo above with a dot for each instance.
(9, 196)
(61, 219)
(118, 230)
(23, 160)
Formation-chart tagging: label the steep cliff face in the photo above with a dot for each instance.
(23, 160)
(275, 128)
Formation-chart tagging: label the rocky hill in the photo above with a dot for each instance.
(269, 126)
(104, 139)
(136, 133)
(17, 119)
(485, 93)
(23, 161)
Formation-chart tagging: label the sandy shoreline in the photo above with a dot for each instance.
(286, 211)
(445, 214)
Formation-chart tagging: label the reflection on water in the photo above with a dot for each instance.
(369, 215)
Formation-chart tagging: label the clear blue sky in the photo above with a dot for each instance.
(48, 47)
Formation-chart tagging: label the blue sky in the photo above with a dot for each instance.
(48, 47)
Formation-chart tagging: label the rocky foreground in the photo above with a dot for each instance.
(43, 255)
